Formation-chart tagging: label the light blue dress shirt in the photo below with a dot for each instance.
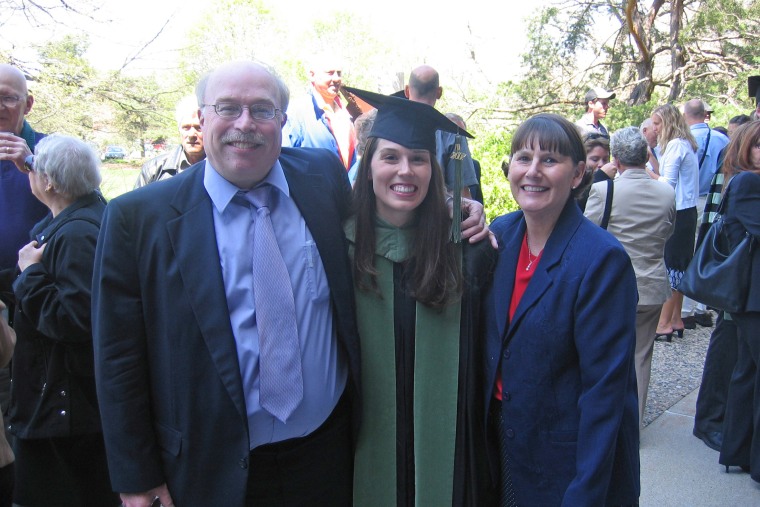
(710, 165)
(324, 370)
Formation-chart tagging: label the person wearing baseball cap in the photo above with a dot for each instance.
(597, 103)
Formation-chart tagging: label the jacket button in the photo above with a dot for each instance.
(507, 353)
(506, 396)
(243, 463)
(63, 394)
(510, 433)
(62, 412)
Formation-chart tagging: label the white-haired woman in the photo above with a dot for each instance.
(60, 455)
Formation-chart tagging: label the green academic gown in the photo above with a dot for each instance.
(422, 440)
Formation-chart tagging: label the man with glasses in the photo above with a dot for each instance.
(182, 301)
(19, 209)
(187, 153)
(597, 102)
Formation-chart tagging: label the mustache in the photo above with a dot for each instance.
(244, 137)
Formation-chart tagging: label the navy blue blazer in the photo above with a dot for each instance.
(566, 362)
(169, 385)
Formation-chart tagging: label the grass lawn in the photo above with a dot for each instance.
(118, 177)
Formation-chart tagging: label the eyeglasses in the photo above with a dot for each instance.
(9, 100)
(230, 111)
(592, 136)
(29, 163)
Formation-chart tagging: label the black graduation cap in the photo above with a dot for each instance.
(406, 122)
(753, 83)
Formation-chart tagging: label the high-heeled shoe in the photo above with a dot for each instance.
(658, 337)
(679, 332)
(745, 468)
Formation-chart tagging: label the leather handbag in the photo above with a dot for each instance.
(718, 276)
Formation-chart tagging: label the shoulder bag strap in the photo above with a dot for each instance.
(608, 204)
(707, 143)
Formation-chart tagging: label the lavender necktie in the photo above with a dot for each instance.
(280, 376)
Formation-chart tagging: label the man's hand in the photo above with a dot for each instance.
(30, 254)
(149, 498)
(14, 148)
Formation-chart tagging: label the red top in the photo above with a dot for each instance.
(526, 266)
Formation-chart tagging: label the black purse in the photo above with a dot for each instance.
(718, 276)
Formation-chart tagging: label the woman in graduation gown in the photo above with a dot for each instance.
(422, 438)
(560, 319)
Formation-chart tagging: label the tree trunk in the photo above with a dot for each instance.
(677, 53)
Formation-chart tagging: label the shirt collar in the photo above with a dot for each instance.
(222, 191)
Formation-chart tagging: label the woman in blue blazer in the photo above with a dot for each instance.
(560, 322)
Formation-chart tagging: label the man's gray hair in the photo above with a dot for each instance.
(282, 89)
(629, 147)
(71, 166)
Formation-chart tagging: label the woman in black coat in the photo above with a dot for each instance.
(741, 425)
(60, 455)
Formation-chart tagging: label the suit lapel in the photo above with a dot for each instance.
(194, 245)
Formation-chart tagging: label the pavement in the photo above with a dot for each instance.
(678, 470)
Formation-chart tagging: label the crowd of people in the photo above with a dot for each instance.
(283, 313)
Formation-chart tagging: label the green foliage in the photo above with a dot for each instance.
(62, 89)
(491, 149)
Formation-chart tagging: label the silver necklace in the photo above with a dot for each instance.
(530, 261)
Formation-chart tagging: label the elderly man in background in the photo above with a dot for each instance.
(642, 217)
(597, 102)
(647, 130)
(19, 209)
(424, 86)
(187, 153)
(320, 118)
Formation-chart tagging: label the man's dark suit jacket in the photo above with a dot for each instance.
(169, 384)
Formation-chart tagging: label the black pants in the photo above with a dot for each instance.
(716, 377)
(316, 470)
(741, 426)
(63, 472)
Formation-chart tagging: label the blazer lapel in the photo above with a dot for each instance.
(194, 245)
(542, 279)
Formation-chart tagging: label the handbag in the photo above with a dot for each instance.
(718, 276)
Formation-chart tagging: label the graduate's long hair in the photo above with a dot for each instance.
(435, 276)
